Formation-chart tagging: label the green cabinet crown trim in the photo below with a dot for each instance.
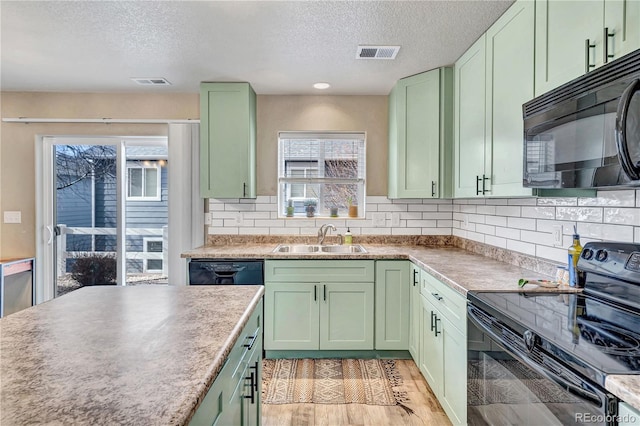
(420, 135)
(227, 140)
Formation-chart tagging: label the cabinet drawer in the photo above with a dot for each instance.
(315, 271)
(450, 303)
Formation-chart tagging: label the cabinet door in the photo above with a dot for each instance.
(627, 415)
(469, 120)
(562, 28)
(510, 53)
(414, 173)
(431, 347)
(621, 18)
(414, 312)
(227, 140)
(346, 316)
(454, 366)
(291, 313)
(251, 415)
(392, 305)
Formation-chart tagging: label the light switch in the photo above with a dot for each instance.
(12, 217)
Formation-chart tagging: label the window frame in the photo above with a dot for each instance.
(321, 161)
(145, 263)
(143, 167)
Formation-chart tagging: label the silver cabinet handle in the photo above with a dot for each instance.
(587, 56)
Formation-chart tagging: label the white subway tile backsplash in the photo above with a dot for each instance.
(543, 238)
(445, 223)
(253, 231)
(522, 201)
(406, 201)
(406, 231)
(557, 201)
(598, 231)
(636, 238)
(580, 214)
(285, 231)
(225, 230)
(256, 215)
(495, 241)
(509, 233)
(623, 198)
(445, 207)
(622, 216)
(459, 232)
(475, 236)
(485, 229)
(421, 223)
(554, 254)
(488, 210)
(412, 215)
(468, 208)
(497, 201)
(392, 207)
(377, 199)
(496, 220)
(441, 215)
(521, 223)
(508, 211)
(425, 207)
(522, 247)
(376, 231)
(436, 231)
(539, 212)
(236, 207)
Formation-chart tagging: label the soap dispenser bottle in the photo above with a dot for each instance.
(573, 255)
(348, 238)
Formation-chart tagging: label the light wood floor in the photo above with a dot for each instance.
(427, 410)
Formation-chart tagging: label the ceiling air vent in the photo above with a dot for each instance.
(377, 52)
(152, 81)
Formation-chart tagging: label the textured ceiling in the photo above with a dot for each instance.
(280, 47)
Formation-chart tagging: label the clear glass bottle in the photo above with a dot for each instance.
(573, 256)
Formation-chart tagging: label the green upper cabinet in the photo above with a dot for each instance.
(470, 152)
(570, 37)
(492, 81)
(227, 140)
(420, 120)
(509, 73)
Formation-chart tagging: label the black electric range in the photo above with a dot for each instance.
(572, 339)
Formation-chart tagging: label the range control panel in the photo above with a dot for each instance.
(615, 260)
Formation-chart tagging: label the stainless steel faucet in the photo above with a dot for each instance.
(322, 232)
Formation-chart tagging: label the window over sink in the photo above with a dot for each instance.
(321, 174)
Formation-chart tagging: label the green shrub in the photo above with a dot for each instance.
(94, 269)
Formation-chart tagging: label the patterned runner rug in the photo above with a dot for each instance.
(332, 381)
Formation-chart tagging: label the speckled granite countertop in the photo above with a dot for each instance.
(462, 270)
(119, 355)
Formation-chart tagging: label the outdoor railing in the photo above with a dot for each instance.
(64, 253)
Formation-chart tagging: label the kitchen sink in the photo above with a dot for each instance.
(315, 248)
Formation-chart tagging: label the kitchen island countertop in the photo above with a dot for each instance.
(119, 355)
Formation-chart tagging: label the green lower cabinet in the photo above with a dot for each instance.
(346, 316)
(234, 397)
(392, 304)
(443, 361)
(319, 316)
(627, 415)
(415, 311)
(291, 312)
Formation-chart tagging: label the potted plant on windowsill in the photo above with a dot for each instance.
(310, 207)
(353, 209)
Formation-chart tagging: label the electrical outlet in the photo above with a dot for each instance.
(12, 217)
(207, 219)
(557, 235)
(395, 219)
(379, 219)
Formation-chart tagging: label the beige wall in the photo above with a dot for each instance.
(275, 113)
(17, 142)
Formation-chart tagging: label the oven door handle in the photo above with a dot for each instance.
(579, 391)
(622, 144)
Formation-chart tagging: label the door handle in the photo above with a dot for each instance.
(51, 234)
(432, 323)
(433, 188)
(255, 381)
(587, 56)
(324, 290)
(622, 144)
(605, 46)
(244, 189)
(477, 185)
(415, 275)
(436, 326)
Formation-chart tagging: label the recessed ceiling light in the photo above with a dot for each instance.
(321, 86)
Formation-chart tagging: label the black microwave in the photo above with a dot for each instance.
(586, 133)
